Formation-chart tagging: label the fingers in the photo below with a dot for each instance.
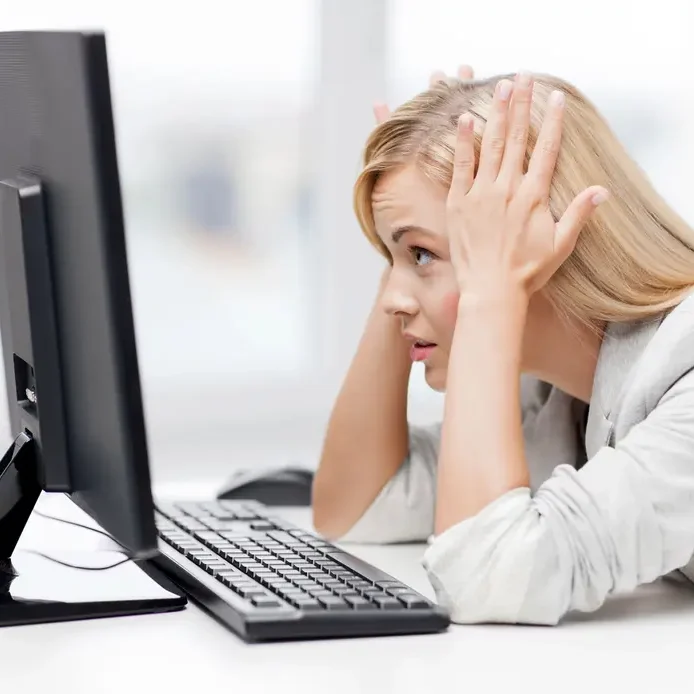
(494, 137)
(569, 227)
(464, 157)
(381, 112)
(465, 72)
(544, 158)
(437, 76)
(518, 125)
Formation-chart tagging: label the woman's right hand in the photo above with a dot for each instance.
(465, 72)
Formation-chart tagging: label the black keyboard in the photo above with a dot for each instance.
(268, 580)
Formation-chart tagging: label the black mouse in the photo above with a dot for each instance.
(286, 486)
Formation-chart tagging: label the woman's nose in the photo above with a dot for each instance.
(397, 302)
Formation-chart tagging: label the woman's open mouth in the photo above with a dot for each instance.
(421, 351)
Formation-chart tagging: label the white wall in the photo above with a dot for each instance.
(249, 302)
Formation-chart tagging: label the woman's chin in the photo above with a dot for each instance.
(435, 378)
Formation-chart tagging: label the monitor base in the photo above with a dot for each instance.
(36, 589)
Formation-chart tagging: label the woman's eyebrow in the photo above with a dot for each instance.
(401, 231)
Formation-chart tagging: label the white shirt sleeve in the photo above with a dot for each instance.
(404, 509)
(626, 518)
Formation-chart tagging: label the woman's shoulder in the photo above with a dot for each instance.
(665, 360)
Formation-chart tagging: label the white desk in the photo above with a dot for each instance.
(640, 643)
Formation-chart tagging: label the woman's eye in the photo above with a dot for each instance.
(421, 256)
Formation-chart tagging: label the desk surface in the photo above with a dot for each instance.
(644, 640)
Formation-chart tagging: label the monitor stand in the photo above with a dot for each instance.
(35, 589)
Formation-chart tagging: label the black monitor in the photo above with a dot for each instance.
(68, 338)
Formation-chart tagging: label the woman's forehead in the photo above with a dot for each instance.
(406, 196)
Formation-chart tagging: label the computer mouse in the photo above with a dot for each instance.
(285, 486)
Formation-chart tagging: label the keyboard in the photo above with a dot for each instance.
(269, 580)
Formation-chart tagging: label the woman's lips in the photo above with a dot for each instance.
(421, 351)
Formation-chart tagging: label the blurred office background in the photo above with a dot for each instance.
(239, 129)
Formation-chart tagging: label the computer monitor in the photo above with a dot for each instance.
(68, 338)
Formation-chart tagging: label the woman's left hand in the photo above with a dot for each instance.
(501, 231)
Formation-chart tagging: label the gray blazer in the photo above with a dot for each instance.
(611, 502)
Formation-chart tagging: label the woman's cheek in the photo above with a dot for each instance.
(450, 308)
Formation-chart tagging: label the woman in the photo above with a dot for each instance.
(548, 289)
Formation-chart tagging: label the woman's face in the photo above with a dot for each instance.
(410, 213)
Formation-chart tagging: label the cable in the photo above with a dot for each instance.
(76, 566)
(80, 525)
(84, 527)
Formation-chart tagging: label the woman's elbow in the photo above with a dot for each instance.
(485, 606)
(488, 590)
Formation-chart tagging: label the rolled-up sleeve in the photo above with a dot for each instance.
(626, 518)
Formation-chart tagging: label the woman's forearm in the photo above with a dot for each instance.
(482, 451)
(367, 436)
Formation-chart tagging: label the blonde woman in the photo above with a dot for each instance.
(547, 288)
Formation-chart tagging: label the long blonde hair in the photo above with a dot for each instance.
(635, 257)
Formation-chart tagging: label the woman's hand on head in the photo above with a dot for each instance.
(501, 230)
(465, 72)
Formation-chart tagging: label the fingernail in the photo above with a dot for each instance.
(523, 78)
(557, 98)
(505, 88)
(466, 122)
(599, 197)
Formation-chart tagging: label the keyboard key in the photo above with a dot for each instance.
(281, 536)
(189, 508)
(331, 585)
(236, 537)
(262, 525)
(207, 536)
(374, 593)
(359, 603)
(265, 601)
(344, 591)
(317, 590)
(360, 567)
(283, 588)
(308, 604)
(250, 591)
(413, 601)
(292, 590)
(191, 524)
(323, 580)
(396, 592)
(387, 603)
(232, 582)
(332, 602)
